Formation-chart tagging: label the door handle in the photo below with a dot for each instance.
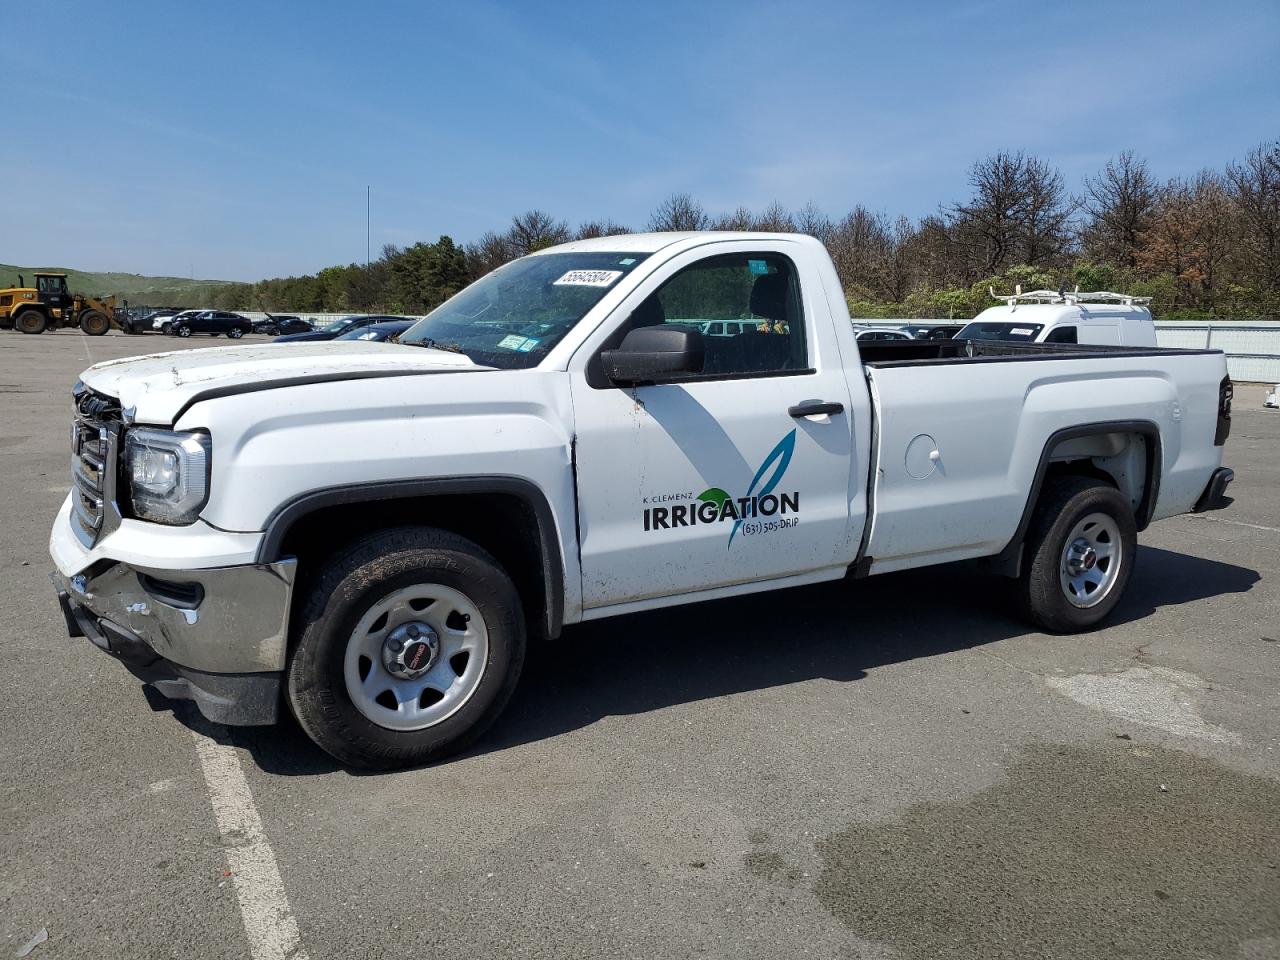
(815, 408)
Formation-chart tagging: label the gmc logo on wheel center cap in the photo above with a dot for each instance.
(416, 655)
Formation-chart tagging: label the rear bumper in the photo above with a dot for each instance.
(1215, 494)
(217, 637)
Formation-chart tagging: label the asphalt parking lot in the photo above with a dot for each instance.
(893, 768)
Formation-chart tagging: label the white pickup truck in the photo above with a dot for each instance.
(367, 532)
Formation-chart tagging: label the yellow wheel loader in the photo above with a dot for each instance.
(49, 305)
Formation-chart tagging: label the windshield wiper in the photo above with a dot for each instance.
(433, 344)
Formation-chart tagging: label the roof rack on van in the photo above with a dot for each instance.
(1062, 295)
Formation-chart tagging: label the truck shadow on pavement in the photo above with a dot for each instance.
(836, 631)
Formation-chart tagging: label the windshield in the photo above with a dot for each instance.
(987, 330)
(337, 326)
(513, 316)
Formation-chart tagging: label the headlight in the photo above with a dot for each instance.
(168, 474)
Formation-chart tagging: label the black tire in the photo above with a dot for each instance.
(1064, 503)
(350, 584)
(235, 333)
(182, 330)
(31, 321)
(94, 323)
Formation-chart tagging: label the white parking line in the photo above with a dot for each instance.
(1234, 523)
(264, 907)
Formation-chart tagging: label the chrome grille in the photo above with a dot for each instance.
(94, 431)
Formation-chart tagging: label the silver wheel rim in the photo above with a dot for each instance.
(457, 663)
(1091, 561)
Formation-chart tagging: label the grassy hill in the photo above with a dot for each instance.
(134, 287)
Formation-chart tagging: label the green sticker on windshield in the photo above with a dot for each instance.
(512, 342)
(758, 267)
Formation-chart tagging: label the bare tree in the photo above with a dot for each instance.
(600, 228)
(1119, 204)
(775, 218)
(679, 212)
(1255, 184)
(1045, 232)
(812, 221)
(1019, 213)
(488, 253)
(895, 270)
(534, 230)
(934, 251)
(989, 225)
(857, 244)
(740, 219)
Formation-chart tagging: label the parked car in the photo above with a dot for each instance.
(332, 331)
(133, 320)
(869, 334)
(165, 318)
(939, 331)
(212, 322)
(274, 326)
(379, 332)
(422, 510)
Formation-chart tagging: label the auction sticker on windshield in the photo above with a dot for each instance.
(588, 278)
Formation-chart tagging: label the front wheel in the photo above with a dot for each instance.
(1080, 553)
(94, 323)
(409, 646)
(31, 321)
(182, 331)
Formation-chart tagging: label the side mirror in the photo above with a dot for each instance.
(649, 354)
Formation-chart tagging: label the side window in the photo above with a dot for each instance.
(1061, 335)
(756, 296)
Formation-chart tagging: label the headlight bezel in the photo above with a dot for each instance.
(190, 455)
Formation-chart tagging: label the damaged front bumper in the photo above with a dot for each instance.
(217, 637)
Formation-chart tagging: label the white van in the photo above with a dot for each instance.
(1043, 316)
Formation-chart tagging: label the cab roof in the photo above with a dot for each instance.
(653, 242)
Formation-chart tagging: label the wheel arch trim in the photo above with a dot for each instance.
(526, 491)
(1148, 429)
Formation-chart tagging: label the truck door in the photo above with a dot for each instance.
(719, 478)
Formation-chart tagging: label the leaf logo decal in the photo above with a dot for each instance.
(781, 456)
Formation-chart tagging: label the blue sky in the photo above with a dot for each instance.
(235, 140)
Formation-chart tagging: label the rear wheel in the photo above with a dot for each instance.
(94, 323)
(31, 321)
(1080, 553)
(408, 647)
(235, 333)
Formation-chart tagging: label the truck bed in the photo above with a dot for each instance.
(961, 433)
(901, 353)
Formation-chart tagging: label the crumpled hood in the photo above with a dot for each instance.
(160, 385)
